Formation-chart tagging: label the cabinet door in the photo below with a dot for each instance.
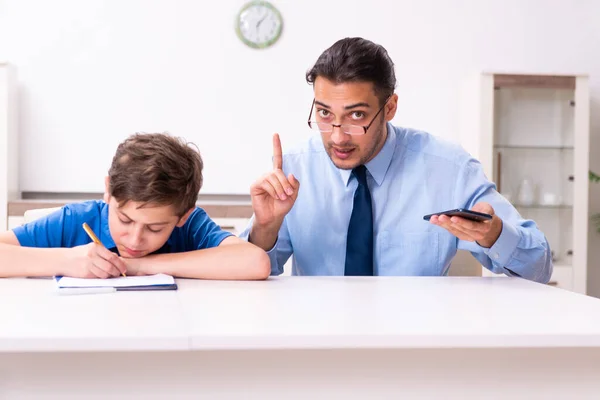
(534, 159)
(562, 277)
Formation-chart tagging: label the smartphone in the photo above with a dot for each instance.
(463, 213)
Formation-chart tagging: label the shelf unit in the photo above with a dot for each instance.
(531, 134)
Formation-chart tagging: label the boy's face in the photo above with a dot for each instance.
(138, 232)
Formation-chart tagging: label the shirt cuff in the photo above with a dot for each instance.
(274, 248)
(501, 252)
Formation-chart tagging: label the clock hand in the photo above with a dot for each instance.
(260, 21)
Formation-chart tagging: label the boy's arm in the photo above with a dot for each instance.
(9, 238)
(233, 259)
(280, 252)
(89, 261)
(27, 261)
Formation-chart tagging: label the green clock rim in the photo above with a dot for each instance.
(248, 42)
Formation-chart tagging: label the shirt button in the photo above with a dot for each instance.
(496, 255)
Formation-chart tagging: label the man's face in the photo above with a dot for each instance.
(352, 103)
(137, 231)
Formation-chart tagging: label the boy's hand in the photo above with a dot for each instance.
(94, 261)
(135, 266)
(274, 194)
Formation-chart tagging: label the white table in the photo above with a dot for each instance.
(300, 338)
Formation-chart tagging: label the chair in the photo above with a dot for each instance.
(32, 215)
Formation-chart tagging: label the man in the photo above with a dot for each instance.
(366, 185)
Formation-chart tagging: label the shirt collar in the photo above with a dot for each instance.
(379, 165)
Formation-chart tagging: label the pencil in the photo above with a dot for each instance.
(93, 236)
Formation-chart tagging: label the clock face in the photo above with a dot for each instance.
(259, 24)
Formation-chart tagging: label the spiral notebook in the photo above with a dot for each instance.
(150, 282)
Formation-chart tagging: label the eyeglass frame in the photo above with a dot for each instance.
(333, 126)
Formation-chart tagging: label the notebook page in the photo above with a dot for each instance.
(150, 280)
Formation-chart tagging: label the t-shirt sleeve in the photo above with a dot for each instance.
(203, 232)
(47, 231)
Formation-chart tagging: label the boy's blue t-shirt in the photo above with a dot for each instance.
(63, 228)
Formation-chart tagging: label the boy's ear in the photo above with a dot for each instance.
(185, 217)
(106, 189)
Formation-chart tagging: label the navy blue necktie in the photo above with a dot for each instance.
(359, 246)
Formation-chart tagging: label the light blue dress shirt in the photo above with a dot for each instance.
(414, 174)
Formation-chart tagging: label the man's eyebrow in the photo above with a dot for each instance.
(356, 105)
(348, 107)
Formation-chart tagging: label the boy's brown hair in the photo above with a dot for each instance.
(156, 169)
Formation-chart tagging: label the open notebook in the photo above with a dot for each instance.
(150, 282)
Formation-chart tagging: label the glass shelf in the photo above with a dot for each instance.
(526, 147)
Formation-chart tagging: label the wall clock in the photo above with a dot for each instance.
(259, 24)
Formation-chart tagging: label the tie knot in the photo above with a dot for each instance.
(360, 173)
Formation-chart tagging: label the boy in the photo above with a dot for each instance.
(148, 223)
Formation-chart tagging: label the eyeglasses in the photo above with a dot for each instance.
(326, 127)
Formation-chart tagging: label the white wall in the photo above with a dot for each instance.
(93, 72)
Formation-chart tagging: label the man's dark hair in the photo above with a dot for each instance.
(356, 60)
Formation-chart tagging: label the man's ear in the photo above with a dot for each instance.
(185, 217)
(106, 189)
(391, 107)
